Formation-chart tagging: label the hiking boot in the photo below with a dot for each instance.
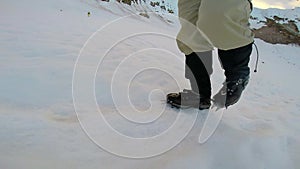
(188, 99)
(231, 92)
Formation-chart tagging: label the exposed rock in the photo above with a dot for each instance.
(275, 32)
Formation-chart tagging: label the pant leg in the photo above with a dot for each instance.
(225, 23)
(198, 70)
(189, 38)
(235, 62)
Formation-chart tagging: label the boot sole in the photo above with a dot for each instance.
(187, 107)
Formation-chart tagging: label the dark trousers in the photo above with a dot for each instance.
(199, 67)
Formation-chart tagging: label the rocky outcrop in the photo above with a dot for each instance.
(279, 30)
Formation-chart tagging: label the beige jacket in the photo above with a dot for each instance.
(213, 23)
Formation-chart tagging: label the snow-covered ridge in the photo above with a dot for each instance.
(259, 16)
(163, 7)
(276, 25)
(271, 25)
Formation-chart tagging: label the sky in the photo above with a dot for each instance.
(283, 4)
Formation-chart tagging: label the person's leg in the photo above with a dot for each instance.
(190, 40)
(198, 69)
(195, 69)
(235, 62)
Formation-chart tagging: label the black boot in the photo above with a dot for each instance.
(231, 92)
(188, 99)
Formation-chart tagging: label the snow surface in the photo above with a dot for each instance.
(39, 127)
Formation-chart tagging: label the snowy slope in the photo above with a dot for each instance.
(39, 47)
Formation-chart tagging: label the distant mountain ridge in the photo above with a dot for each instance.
(276, 26)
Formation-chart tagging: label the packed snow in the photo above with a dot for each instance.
(42, 45)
